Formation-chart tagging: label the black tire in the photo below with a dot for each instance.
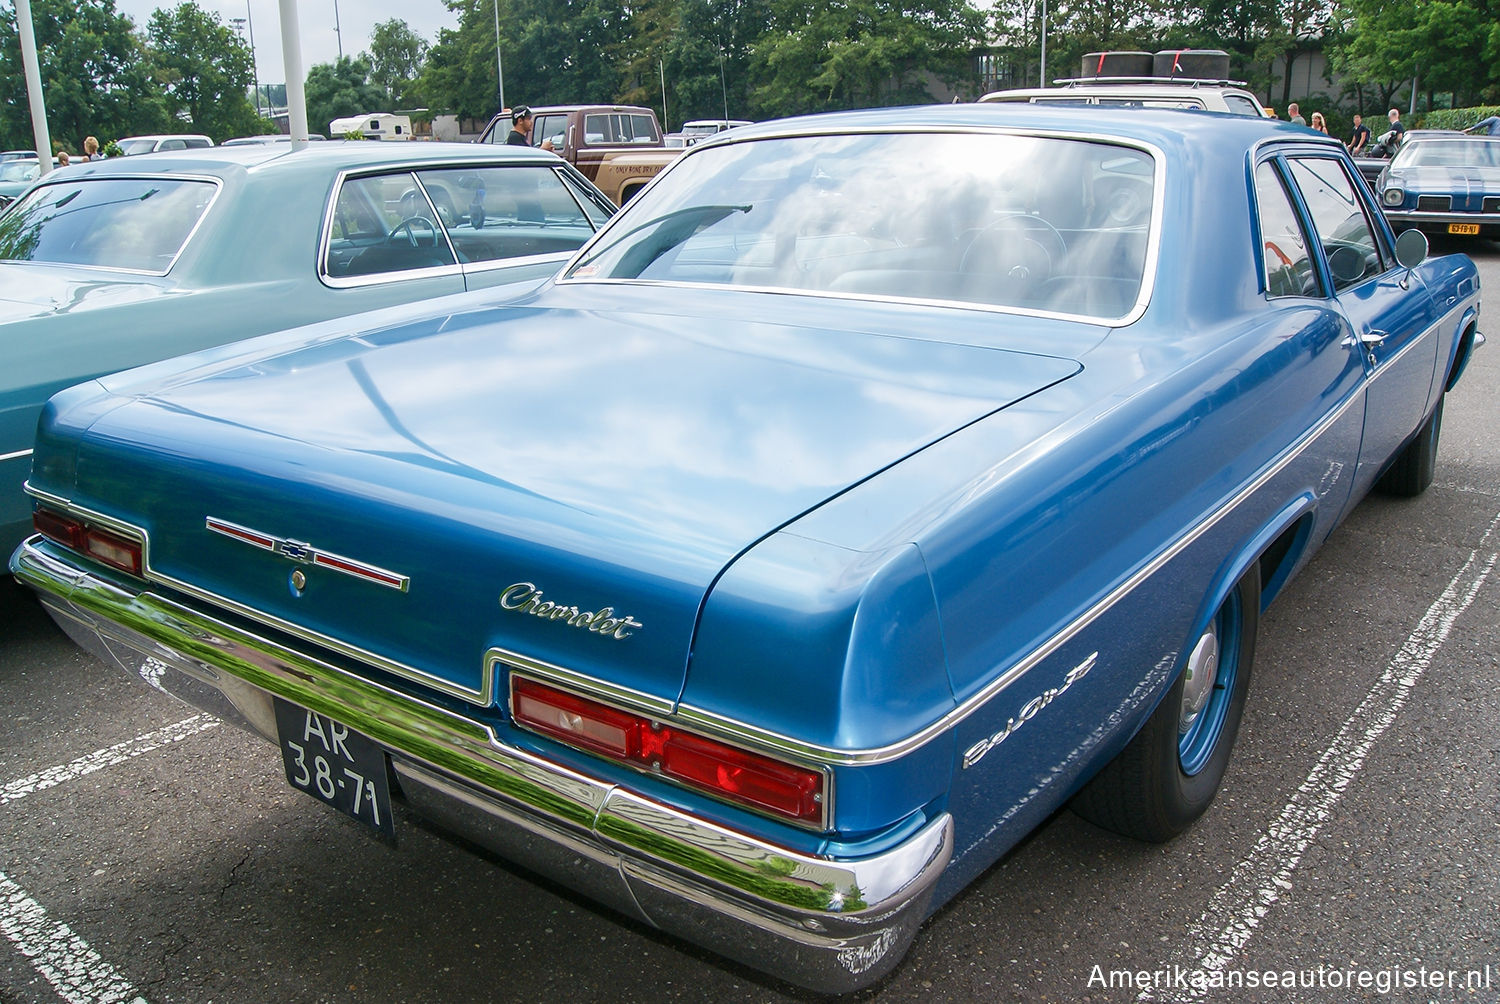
(1146, 792)
(1413, 468)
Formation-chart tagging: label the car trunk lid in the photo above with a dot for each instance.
(566, 484)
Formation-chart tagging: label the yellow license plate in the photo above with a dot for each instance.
(1463, 228)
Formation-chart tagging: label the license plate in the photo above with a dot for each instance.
(1463, 228)
(336, 765)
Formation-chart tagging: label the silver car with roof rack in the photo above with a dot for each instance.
(1188, 78)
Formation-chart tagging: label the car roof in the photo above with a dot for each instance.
(222, 161)
(165, 135)
(1161, 127)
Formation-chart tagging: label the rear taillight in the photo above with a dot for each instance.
(111, 548)
(752, 779)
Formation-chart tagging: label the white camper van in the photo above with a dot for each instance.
(381, 125)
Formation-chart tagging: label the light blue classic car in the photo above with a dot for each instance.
(872, 486)
(116, 263)
(1444, 183)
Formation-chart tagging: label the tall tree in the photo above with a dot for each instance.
(701, 47)
(1447, 45)
(554, 52)
(205, 71)
(862, 52)
(396, 57)
(339, 89)
(95, 73)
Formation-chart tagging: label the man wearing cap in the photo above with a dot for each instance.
(521, 122)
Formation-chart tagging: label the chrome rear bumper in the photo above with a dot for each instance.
(790, 914)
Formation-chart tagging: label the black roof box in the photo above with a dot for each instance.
(1117, 64)
(1191, 64)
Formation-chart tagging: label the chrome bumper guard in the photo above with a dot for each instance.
(826, 924)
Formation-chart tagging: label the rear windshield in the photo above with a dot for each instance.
(1032, 222)
(134, 224)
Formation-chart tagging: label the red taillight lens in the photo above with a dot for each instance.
(102, 545)
(752, 779)
(54, 526)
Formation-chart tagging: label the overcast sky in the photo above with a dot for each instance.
(316, 18)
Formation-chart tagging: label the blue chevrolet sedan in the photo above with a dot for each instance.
(125, 261)
(871, 487)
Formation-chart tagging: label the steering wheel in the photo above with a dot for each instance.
(408, 226)
(1020, 247)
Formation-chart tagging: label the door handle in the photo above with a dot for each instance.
(1373, 337)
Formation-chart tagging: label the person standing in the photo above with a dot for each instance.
(1489, 126)
(1361, 137)
(1319, 123)
(91, 149)
(522, 121)
(1294, 115)
(1394, 115)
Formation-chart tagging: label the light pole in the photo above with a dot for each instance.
(1044, 44)
(499, 66)
(254, 64)
(240, 24)
(339, 34)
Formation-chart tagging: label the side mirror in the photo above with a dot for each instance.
(1411, 249)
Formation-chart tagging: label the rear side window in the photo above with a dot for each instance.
(402, 222)
(134, 224)
(619, 127)
(1289, 269)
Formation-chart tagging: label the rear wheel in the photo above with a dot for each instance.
(1168, 775)
(1412, 472)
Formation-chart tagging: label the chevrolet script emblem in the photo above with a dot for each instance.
(305, 554)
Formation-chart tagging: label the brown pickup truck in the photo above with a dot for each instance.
(617, 147)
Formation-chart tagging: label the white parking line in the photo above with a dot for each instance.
(1258, 881)
(118, 753)
(74, 969)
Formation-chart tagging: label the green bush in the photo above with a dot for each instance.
(1456, 118)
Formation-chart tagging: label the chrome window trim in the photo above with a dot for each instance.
(325, 237)
(14, 456)
(783, 745)
(727, 138)
(213, 200)
(500, 264)
(436, 217)
(482, 697)
(459, 267)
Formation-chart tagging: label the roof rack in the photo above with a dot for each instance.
(1186, 81)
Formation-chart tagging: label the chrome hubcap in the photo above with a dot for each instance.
(1199, 677)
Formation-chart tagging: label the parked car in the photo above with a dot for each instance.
(700, 129)
(152, 258)
(1191, 79)
(872, 486)
(132, 145)
(1444, 182)
(275, 137)
(16, 175)
(620, 148)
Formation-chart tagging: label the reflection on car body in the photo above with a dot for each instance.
(871, 487)
(119, 262)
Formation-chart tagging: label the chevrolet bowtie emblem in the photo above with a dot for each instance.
(305, 554)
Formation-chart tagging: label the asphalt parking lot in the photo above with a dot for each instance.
(150, 854)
